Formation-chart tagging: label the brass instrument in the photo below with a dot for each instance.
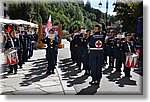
(51, 40)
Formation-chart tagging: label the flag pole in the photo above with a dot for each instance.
(40, 44)
(60, 34)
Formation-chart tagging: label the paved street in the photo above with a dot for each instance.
(31, 79)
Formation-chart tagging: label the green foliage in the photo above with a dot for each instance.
(71, 15)
(77, 25)
(128, 14)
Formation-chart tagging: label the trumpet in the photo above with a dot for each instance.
(51, 41)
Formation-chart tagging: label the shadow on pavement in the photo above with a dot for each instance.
(78, 80)
(139, 70)
(4, 69)
(90, 90)
(70, 71)
(126, 81)
(36, 73)
(114, 76)
(107, 70)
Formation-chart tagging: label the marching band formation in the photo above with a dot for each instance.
(87, 48)
(93, 50)
(18, 46)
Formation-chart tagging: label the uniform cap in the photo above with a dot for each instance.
(127, 34)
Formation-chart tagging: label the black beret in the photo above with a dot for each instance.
(127, 34)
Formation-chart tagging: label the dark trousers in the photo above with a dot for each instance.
(80, 56)
(25, 55)
(51, 55)
(105, 55)
(30, 51)
(13, 67)
(96, 60)
(118, 62)
(111, 61)
(56, 59)
(20, 57)
(86, 60)
(56, 55)
(74, 54)
(111, 56)
(127, 71)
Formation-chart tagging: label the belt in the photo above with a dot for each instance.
(50, 47)
(96, 48)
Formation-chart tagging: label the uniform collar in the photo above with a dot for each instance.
(98, 33)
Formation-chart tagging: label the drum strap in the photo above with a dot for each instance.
(129, 47)
(12, 42)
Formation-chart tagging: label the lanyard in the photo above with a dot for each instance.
(129, 47)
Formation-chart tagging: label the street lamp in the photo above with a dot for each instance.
(100, 4)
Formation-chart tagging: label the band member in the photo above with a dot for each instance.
(25, 45)
(78, 44)
(110, 43)
(20, 49)
(96, 45)
(86, 53)
(73, 48)
(30, 44)
(12, 43)
(128, 46)
(118, 52)
(56, 46)
(51, 40)
(35, 38)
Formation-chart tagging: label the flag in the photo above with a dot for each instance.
(48, 25)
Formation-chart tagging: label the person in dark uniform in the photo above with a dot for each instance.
(30, 44)
(71, 32)
(56, 47)
(51, 40)
(104, 31)
(35, 38)
(105, 50)
(78, 44)
(20, 50)
(12, 42)
(118, 52)
(110, 43)
(86, 53)
(128, 46)
(96, 58)
(73, 48)
(25, 45)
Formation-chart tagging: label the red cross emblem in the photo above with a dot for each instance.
(98, 43)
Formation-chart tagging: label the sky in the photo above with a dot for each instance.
(94, 4)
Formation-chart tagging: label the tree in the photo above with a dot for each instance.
(128, 14)
(70, 14)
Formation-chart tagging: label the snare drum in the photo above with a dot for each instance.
(131, 60)
(11, 56)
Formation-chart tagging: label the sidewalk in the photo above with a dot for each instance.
(31, 79)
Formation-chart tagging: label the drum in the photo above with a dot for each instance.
(11, 56)
(131, 60)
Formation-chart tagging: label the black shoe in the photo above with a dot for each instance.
(79, 68)
(20, 67)
(129, 76)
(87, 73)
(48, 72)
(97, 83)
(92, 82)
(52, 72)
(10, 72)
(15, 72)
